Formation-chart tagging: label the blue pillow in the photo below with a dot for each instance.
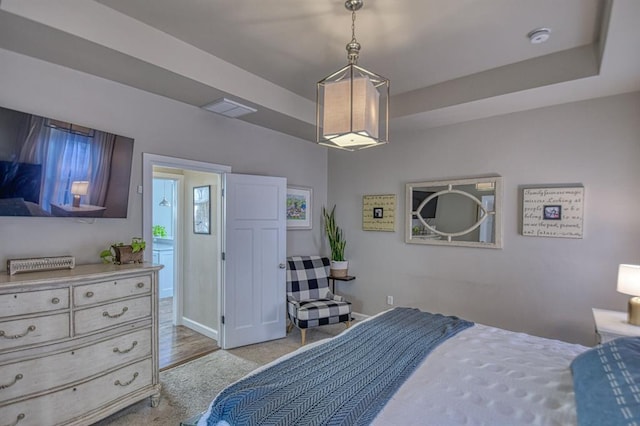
(606, 380)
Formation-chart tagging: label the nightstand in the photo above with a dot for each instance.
(612, 324)
(85, 210)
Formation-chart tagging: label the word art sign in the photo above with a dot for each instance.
(553, 212)
(379, 213)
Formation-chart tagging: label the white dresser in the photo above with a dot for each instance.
(77, 345)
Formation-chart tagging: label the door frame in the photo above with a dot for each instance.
(148, 162)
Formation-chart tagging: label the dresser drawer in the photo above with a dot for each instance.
(61, 406)
(99, 317)
(27, 377)
(29, 302)
(14, 334)
(109, 290)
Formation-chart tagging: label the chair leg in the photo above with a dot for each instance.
(289, 327)
(303, 333)
(348, 324)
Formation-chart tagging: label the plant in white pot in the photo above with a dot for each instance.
(337, 243)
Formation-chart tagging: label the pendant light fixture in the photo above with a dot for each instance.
(164, 202)
(352, 106)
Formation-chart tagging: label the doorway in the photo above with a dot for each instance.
(236, 297)
(190, 255)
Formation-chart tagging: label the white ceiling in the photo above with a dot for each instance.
(448, 60)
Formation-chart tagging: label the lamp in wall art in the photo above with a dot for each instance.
(629, 283)
(352, 104)
(78, 189)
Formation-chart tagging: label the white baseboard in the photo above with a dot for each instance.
(359, 317)
(202, 329)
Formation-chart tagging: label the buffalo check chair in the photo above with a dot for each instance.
(310, 303)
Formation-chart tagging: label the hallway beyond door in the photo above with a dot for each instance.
(179, 344)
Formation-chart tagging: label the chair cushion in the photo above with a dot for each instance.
(307, 277)
(315, 309)
(312, 313)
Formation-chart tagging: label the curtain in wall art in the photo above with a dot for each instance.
(67, 157)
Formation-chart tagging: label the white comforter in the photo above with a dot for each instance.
(488, 376)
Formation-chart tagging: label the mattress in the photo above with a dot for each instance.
(485, 376)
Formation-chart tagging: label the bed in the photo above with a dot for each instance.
(20, 207)
(472, 375)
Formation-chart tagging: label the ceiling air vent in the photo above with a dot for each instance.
(229, 108)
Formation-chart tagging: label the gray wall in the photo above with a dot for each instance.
(159, 126)
(200, 264)
(543, 286)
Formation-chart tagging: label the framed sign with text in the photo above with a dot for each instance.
(553, 212)
(379, 213)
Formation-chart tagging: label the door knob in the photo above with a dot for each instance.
(282, 266)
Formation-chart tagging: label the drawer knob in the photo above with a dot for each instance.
(55, 300)
(17, 336)
(124, 351)
(8, 385)
(20, 417)
(118, 383)
(88, 294)
(108, 315)
(140, 285)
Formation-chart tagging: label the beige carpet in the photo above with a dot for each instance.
(189, 388)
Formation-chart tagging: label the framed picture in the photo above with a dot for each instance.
(552, 212)
(299, 207)
(378, 212)
(202, 209)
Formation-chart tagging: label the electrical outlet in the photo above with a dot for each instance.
(389, 300)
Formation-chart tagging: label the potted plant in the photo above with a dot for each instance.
(120, 253)
(339, 265)
(159, 231)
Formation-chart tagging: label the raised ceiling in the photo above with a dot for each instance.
(448, 60)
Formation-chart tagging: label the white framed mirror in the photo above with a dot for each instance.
(463, 212)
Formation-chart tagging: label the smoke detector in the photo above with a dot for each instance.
(539, 35)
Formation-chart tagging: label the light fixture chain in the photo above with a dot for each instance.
(353, 25)
(353, 48)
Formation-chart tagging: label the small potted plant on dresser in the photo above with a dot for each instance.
(121, 253)
(339, 266)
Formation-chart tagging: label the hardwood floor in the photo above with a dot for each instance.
(180, 344)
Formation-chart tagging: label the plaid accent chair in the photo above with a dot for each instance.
(310, 303)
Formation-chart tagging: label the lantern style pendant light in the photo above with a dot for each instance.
(352, 108)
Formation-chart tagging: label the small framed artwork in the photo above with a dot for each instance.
(552, 212)
(202, 209)
(299, 207)
(379, 212)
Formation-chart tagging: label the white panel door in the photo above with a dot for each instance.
(253, 292)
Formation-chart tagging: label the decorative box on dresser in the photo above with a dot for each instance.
(77, 345)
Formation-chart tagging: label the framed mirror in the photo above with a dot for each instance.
(463, 212)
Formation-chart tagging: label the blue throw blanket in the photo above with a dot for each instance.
(345, 381)
(606, 380)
